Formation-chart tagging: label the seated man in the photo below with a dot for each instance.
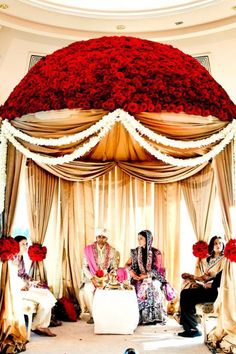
(98, 255)
(35, 291)
(191, 297)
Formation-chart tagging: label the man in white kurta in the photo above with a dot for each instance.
(34, 291)
(97, 256)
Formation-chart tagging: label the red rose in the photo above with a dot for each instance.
(200, 249)
(119, 72)
(230, 250)
(37, 252)
(109, 105)
(99, 273)
(8, 248)
(133, 107)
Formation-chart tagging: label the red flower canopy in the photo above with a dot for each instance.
(119, 72)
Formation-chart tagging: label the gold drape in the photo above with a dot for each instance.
(118, 145)
(123, 204)
(76, 211)
(224, 177)
(225, 333)
(167, 227)
(14, 161)
(199, 192)
(41, 186)
(118, 148)
(12, 325)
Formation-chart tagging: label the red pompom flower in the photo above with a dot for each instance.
(8, 248)
(100, 273)
(230, 250)
(200, 249)
(37, 252)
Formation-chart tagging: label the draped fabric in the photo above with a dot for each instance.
(167, 228)
(12, 325)
(119, 185)
(199, 192)
(14, 161)
(225, 333)
(123, 204)
(73, 226)
(118, 147)
(224, 177)
(41, 187)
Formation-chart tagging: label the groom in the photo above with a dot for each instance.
(98, 255)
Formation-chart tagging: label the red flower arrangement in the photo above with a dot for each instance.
(230, 250)
(99, 273)
(200, 249)
(8, 248)
(37, 252)
(119, 72)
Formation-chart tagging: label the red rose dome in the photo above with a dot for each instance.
(119, 72)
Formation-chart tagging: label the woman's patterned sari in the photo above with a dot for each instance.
(149, 293)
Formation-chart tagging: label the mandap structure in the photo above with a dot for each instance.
(128, 118)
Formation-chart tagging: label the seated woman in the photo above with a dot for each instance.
(189, 298)
(35, 291)
(213, 264)
(147, 276)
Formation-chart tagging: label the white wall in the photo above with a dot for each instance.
(16, 48)
(221, 48)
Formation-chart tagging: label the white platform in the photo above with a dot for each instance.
(115, 311)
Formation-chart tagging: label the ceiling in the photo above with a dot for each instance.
(156, 18)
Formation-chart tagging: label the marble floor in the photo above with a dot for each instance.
(78, 337)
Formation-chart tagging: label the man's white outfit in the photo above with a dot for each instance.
(106, 258)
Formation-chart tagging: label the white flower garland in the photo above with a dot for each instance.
(136, 125)
(102, 123)
(3, 176)
(65, 158)
(102, 127)
(190, 162)
(120, 115)
(124, 118)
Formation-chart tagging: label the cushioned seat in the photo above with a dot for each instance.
(29, 308)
